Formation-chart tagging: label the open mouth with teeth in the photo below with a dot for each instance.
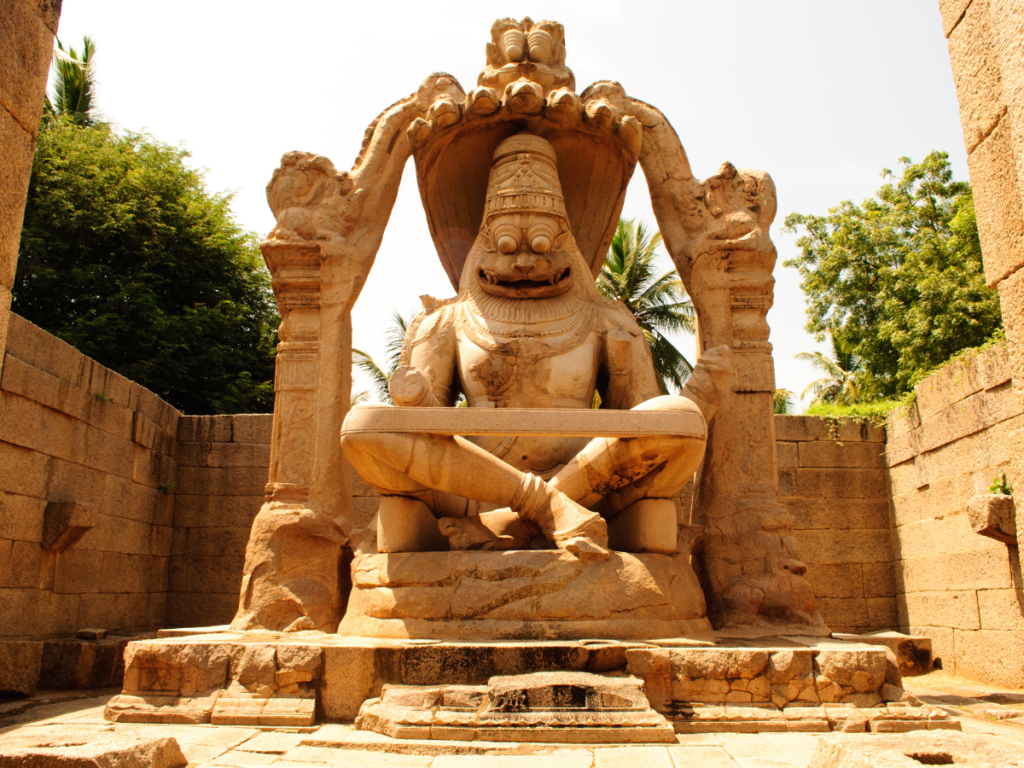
(557, 283)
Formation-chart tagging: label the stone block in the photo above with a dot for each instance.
(31, 344)
(408, 525)
(216, 542)
(193, 454)
(940, 536)
(844, 612)
(19, 147)
(19, 667)
(164, 415)
(993, 515)
(833, 483)
(117, 612)
(25, 48)
(74, 665)
(26, 472)
(252, 428)
(1001, 609)
(998, 203)
(952, 12)
(224, 481)
(787, 454)
(879, 580)
(22, 518)
(200, 511)
(796, 429)
(39, 612)
(838, 546)
(35, 384)
(221, 575)
(30, 567)
(949, 385)
(992, 656)
(65, 523)
(205, 429)
(840, 580)
(994, 366)
(153, 469)
(828, 453)
(5, 558)
(979, 569)
(202, 609)
(976, 74)
(240, 455)
(648, 525)
(351, 676)
(958, 610)
(882, 612)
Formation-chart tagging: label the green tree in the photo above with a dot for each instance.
(900, 276)
(128, 257)
(73, 94)
(843, 382)
(659, 304)
(379, 374)
(784, 401)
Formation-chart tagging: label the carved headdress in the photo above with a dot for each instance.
(524, 179)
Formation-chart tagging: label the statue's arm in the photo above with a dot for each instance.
(426, 370)
(628, 361)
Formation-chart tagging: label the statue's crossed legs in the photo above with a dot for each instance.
(609, 474)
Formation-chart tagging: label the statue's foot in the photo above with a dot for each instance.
(587, 539)
(471, 533)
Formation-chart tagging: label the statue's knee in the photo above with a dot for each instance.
(356, 444)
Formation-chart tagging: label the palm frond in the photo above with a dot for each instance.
(378, 377)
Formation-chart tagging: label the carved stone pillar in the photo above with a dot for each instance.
(294, 548)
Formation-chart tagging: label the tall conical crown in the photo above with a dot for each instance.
(524, 178)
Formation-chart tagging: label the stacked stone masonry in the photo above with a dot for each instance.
(832, 479)
(73, 431)
(222, 468)
(27, 28)
(959, 588)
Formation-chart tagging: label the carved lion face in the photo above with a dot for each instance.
(525, 256)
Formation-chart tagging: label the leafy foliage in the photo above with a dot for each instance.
(841, 384)
(74, 86)
(378, 374)
(128, 257)
(899, 276)
(785, 401)
(1001, 485)
(876, 411)
(659, 304)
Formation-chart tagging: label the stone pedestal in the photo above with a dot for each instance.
(707, 683)
(523, 595)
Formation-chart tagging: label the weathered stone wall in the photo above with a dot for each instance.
(222, 468)
(832, 479)
(73, 431)
(959, 588)
(27, 28)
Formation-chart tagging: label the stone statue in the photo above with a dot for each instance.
(528, 329)
(527, 514)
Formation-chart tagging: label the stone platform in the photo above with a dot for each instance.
(524, 595)
(700, 684)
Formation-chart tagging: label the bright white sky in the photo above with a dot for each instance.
(821, 94)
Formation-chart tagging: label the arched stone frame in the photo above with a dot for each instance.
(329, 228)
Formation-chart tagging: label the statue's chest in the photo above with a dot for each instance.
(558, 371)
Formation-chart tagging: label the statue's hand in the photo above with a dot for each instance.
(410, 388)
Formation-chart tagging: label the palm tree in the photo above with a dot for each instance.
(659, 304)
(844, 372)
(380, 375)
(74, 86)
(784, 401)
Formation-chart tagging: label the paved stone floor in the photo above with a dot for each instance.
(78, 717)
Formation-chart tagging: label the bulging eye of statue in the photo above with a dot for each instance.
(540, 244)
(507, 244)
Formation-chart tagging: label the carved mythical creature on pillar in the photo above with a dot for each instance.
(523, 182)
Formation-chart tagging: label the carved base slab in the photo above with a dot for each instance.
(706, 683)
(522, 595)
(562, 707)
